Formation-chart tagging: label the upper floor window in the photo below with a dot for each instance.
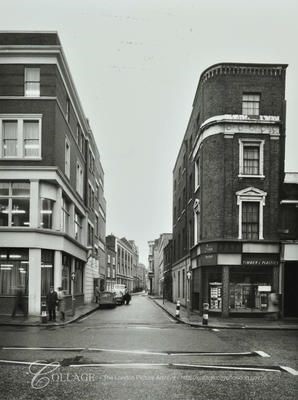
(197, 221)
(250, 220)
(251, 202)
(14, 204)
(67, 158)
(90, 235)
(32, 82)
(20, 137)
(79, 179)
(251, 157)
(197, 173)
(78, 226)
(65, 215)
(67, 110)
(46, 213)
(251, 104)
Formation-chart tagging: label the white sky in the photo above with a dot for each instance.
(136, 65)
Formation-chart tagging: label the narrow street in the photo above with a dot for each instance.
(139, 352)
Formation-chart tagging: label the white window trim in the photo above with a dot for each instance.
(20, 118)
(251, 142)
(251, 195)
(25, 81)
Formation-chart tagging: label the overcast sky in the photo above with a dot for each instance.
(136, 65)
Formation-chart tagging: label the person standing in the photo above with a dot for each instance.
(61, 303)
(52, 301)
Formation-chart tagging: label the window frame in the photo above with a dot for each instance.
(20, 119)
(249, 142)
(10, 198)
(252, 102)
(26, 82)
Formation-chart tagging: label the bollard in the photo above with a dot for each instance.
(44, 314)
(205, 313)
(178, 309)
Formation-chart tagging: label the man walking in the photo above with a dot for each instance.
(52, 301)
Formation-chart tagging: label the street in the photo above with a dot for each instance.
(139, 352)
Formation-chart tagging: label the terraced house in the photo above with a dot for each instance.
(227, 194)
(52, 205)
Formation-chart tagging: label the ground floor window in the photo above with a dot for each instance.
(13, 270)
(249, 289)
(47, 271)
(66, 267)
(78, 282)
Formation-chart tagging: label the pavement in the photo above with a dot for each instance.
(195, 320)
(192, 318)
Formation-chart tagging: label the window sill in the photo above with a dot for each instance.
(20, 158)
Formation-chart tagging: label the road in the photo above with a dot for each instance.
(139, 352)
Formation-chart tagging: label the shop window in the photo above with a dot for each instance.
(78, 282)
(14, 264)
(46, 213)
(249, 289)
(66, 269)
(251, 158)
(32, 82)
(251, 202)
(215, 295)
(47, 271)
(14, 204)
(20, 137)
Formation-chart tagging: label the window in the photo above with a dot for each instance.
(20, 137)
(78, 226)
(90, 196)
(47, 271)
(114, 261)
(46, 213)
(91, 161)
(67, 110)
(66, 267)
(31, 139)
(97, 191)
(65, 215)
(32, 82)
(250, 220)
(96, 225)
(14, 204)
(197, 221)
(250, 104)
(197, 173)
(79, 180)
(67, 158)
(13, 270)
(251, 158)
(109, 258)
(78, 282)
(90, 235)
(251, 202)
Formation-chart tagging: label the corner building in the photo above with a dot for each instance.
(52, 206)
(226, 181)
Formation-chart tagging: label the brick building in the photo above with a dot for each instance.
(126, 260)
(52, 206)
(227, 182)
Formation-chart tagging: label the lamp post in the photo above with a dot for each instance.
(73, 299)
(188, 275)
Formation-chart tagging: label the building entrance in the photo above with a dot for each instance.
(290, 289)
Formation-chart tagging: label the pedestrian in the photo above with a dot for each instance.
(273, 306)
(52, 302)
(61, 303)
(19, 302)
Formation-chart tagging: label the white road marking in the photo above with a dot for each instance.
(215, 330)
(262, 353)
(45, 348)
(248, 353)
(128, 351)
(120, 365)
(226, 367)
(290, 370)
(21, 362)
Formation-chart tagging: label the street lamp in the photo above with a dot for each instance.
(73, 299)
(188, 275)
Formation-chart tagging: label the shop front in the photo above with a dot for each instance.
(235, 283)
